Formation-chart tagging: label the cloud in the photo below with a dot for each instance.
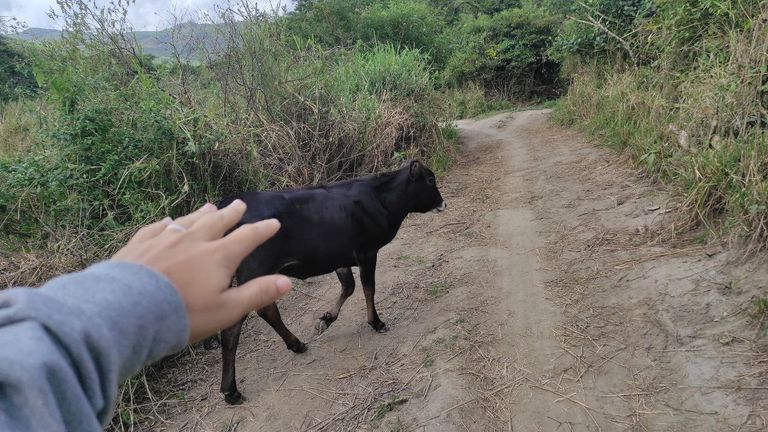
(31, 12)
(143, 14)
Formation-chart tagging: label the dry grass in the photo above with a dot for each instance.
(19, 125)
(372, 392)
(593, 267)
(700, 126)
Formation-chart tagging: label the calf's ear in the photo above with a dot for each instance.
(415, 169)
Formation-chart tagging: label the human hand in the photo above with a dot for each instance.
(194, 255)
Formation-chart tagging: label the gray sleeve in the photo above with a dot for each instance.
(66, 346)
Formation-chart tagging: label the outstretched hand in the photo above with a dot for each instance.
(193, 253)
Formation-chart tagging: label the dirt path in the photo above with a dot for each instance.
(544, 299)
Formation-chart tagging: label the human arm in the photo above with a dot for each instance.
(65, 346)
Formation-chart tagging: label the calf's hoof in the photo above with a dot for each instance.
(380, 327)
(324, 322)
(298, 348)
(321, 325)
(234, 398)
(212, 343)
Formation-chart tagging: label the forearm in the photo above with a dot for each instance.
(64, 347)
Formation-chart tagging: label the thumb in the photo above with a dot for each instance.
(257, 293)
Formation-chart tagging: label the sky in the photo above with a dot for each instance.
(144, 14)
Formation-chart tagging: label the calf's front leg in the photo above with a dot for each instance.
(230, 338)
(271, 314)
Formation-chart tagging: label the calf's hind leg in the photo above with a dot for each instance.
(271, 314)
(347, 288)
(368, 278)
(212, 342)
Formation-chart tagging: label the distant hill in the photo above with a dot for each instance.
(39, 34)
(151, 42)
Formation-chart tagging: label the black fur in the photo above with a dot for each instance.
(325, 229)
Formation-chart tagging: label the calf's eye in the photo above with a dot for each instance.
(431, 181)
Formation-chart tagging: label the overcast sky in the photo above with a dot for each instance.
(144, 14)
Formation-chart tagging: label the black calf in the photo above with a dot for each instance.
(324, 229)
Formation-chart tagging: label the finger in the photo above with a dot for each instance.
(213, 225)
(242, 241)
(190, 219)
(256, 294)
(151, 230)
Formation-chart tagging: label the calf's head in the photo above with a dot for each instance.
(422, 193)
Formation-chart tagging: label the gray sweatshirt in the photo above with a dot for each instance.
(66, 346)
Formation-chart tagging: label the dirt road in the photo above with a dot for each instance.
(549, 297)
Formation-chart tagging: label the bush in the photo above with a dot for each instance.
(453, 9)
(507, 54)
(471, 101)
(127, 142)
(19, 122)
(402, 23)
(406, 23)
(694, 117)
(606, 29)
(330, 23)
(16, 77)
(118, 152)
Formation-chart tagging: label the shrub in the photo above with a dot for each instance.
(330, 23)
(694, 117)
(453, 9)
(607, 29)
(19, 123)
(127, 142)
(16, 77)
(507, 54)
(471, 101)
(402, 23)
(406, 23)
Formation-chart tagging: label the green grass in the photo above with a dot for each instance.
(444, 342)
(19, 124)
(481, 196)
(387, 407)
(516, 107)
(451, 133)
(760, 314)
(126, 416)
(722, 186)
(437, 289)
(701, 239)
(429, 360)
(471, 101)
(489, 114)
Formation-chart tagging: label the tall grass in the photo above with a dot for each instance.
(19, 122)
(471, 100)
(699, 123)
(117, 141)
(125, 142)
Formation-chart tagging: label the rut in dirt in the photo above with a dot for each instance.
(541, 300)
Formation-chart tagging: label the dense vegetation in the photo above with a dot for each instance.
(683, 86)
(96, 137)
